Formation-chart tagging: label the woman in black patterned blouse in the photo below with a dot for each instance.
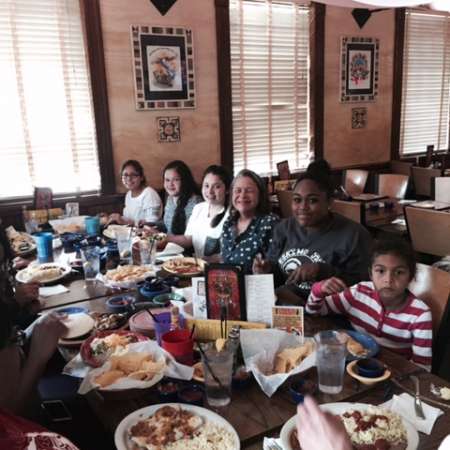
(248, 230)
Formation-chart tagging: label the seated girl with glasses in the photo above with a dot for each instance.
(142, 203)
(382, 307)
(248, 230)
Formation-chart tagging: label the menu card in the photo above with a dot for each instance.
(289, 318)
(199, 298)
(260, 298)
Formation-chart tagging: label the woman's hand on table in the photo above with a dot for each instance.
(261, 265)
(332, 285)
(317, 429)
(306, 272)
(45, 337)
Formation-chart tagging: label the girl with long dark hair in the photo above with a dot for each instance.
(182, 195)
(204, 227)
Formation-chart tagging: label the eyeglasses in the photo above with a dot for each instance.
(130, 176)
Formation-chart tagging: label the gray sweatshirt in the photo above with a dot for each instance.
(341, 247)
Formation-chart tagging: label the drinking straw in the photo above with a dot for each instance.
(152, 316)
(205, 359)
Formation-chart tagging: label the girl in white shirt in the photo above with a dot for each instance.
(205, 223)
(142, 203)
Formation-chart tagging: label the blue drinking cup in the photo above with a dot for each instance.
(92, 225)
(44, 245)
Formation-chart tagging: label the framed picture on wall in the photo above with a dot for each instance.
(359, 69)
(163, 63)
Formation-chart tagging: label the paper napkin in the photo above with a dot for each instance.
(48, 291)
(403, 405)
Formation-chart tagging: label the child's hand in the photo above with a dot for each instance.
(332, 286)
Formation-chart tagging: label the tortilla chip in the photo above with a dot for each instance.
(109, 377)
(130, 362)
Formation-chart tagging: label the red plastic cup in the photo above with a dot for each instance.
(180, 345)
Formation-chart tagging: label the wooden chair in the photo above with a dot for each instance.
(354, 181)
(432, 285)
(392, 185)
(429, 230)
(285, 202)
(422, 179)
(401, 167)
(351, 210)
(442, 189)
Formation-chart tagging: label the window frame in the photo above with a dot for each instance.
(400, 22)
(224, 81)
(91, 22)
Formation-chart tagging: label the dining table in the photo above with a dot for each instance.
(251, 412)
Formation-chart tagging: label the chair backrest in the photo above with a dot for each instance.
(351, 210)
(401, 167)
(432, 285)
(442, 189)
(285, 201)
(392, 185)
(355, 181)
(284, 185)
(429, 230)
(422, 178)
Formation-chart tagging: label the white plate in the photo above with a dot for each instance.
(339, 408)
(23, 276)
(121, 435)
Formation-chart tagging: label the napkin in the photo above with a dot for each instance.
(272, 443)
(48, 291)
(171, 249)
(403, 405)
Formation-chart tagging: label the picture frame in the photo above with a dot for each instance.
(284, 172)
(359, 69)
(43, 198)
(169, 129)
(225, 288)
(163, 64)
(359, 118)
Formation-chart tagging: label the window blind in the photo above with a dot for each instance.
(46, 114)
(270, 61)
(426, 79)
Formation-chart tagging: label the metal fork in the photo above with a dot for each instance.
(417, 402)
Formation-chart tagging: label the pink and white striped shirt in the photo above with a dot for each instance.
(407, 330)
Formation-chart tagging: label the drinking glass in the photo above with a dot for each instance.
(330, 360)
(123, 237)
(147, 251)
(217, 366)
(44, 244)
(91, 262)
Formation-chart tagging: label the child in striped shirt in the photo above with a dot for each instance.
(383, 307)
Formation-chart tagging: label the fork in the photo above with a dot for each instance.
(417, 402)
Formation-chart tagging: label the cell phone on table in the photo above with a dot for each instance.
(56, 410)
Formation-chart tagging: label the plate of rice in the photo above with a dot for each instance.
(365, 424)
(175, 426)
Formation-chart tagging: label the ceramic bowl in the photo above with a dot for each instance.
(168, 390)
(164, 299)
(191, 394)
(120, 303)
(352, 371)
(299, 388)
(370, 368)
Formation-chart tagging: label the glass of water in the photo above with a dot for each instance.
(90, 257)
(330, 360)
(217, 367)
(124, 240)
(147, 250)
